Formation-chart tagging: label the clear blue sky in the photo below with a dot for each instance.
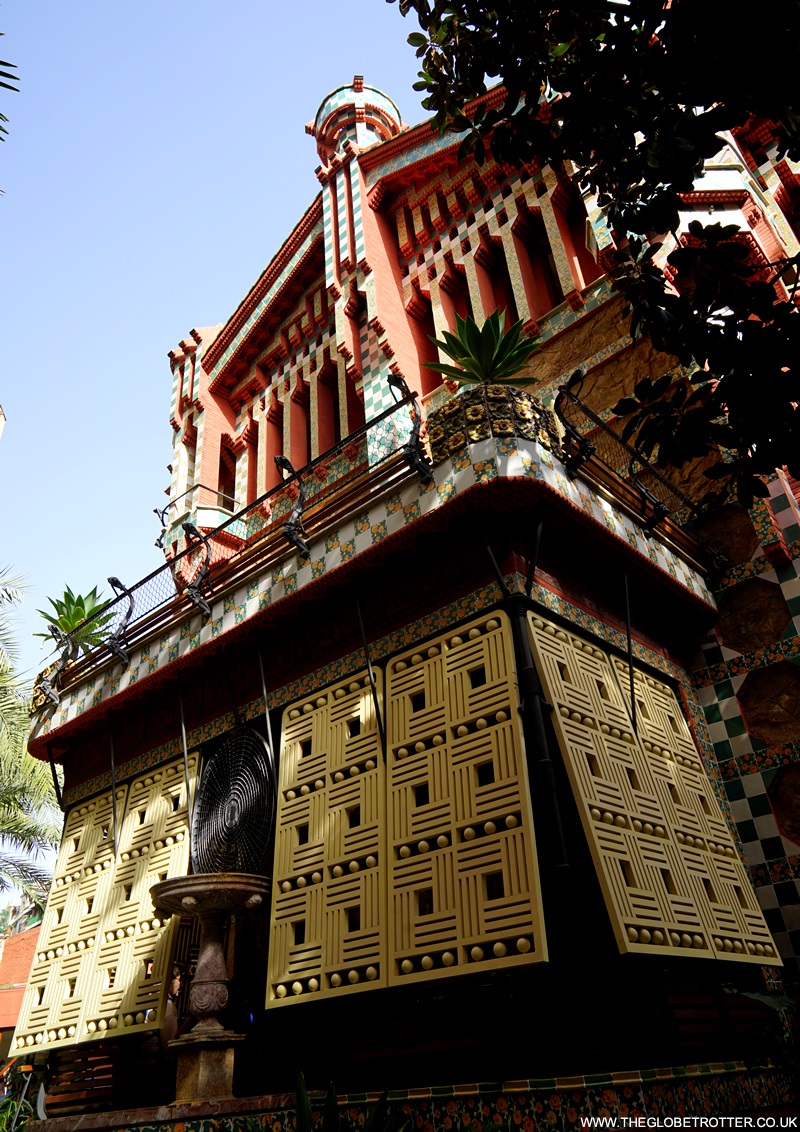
(156, 160)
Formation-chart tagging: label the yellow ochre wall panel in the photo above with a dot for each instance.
(328, 905)
(103, 957)
(463, 883)
(667, 864)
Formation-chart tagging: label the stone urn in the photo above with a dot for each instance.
(205, 1054)
(477, 412)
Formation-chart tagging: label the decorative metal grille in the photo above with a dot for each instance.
(422, 870)
(667, 864)
(328, 904)
(103, 958)
(463, 880)
(233, 814)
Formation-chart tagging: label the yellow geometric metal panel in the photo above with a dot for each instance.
(464, 883)
(103, 958)
(328, 905)
(667, 864)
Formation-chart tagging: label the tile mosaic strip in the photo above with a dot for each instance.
(747, 764)
(529, 1105)
(741, 663)
(436, 144)
(270, 295)
(408, 635)
(485, 460)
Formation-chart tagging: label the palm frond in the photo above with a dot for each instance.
(20, 872)
(12, 592)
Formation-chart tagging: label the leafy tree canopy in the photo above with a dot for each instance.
(635, 95)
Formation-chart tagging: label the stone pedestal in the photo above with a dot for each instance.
(205, 1055)
(205, 1065)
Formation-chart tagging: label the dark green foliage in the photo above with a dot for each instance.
(15, 1109)
(28, 816)
(486, 355)
(635, 96)
(14, 1114)
(380, 1118)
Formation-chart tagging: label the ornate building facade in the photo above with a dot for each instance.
(532, 715)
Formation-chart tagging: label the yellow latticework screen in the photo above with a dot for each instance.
(103, 958)
(463, 880)
(329, 901)
(670, 874)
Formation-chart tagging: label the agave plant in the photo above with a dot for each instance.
(487, 355)
(380, 1119)
(78, 617)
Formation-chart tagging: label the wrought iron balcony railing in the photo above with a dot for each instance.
(588, 438)
(374, 458)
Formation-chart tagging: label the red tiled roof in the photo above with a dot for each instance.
(15, 965)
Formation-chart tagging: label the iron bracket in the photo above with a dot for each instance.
(658, 509)
(49, 685)
(161, 513)
(293, 527)
(412, 451)
(199, 585)
(114, 642)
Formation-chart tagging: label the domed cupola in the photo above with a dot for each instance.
(362, 114)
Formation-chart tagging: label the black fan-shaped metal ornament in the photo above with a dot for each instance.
(234, 811)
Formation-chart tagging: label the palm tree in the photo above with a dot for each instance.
(28, 810)
(13, 699)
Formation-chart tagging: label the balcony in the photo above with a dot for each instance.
(594, 450)
(250, 542)
(369, 488)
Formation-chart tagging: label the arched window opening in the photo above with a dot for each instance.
(273, 422)
(423, 330)
(300, 426)
(252, 471)
(455, 296)
(584, 268)
(226, 482)
(355, 406)
(329, 427)
(537, 265)
(501, 282)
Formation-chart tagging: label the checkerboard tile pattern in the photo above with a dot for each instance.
(747, 764)
(426, 263)
(290, 268)
(773, 858)
(784, 508)
(378, 396)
